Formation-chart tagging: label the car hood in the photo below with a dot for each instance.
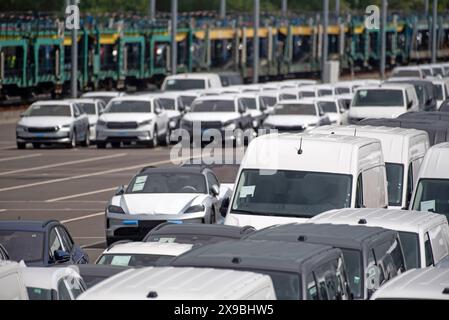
(44, 121)
(333, 117)
(291, 120)
(260, 222)
(211, 116)
(376, 112)
(126, 117)
(157, 204)
(92, 118)
(172, 113)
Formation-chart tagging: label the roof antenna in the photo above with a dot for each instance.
(299, 151)
(355, 132)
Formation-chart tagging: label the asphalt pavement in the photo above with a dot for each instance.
(73, 185)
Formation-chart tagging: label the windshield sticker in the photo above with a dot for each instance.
(138, 187)
(141, 179)
(363, 93)
(120, 260)
(167, 240)
(247, 191)
(428, 205)
(171, 81)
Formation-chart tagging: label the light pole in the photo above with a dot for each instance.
(256, 41)
(174, 31)
(325, 37)
(74, 56)
(434, 30)
(383, 38)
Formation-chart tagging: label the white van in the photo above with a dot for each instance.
(403, 150)
(432, 190)
(12, 286)
(292, 177)
(383, 101)
(168, 283)
(191, 81)
(424, 235)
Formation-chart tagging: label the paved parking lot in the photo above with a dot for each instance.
(71, 185)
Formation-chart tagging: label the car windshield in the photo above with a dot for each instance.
(287, 286)
(431, 195)
(353, 261)
(187, 100)
(250, 103)
(128, 106)
(324, 92)
(167, 104)
(201, 239)
(88, 108)
(410, 247)
(184, 84)
(295, 109)
(438, 71)
(134, 260)
(307, 94)
(328, 106)
(379, 98)
(395, 179)
(291, 193)
(269, 101)
(55, 110)
(427, 72)
(39, 293)
(407, 74)
(168, 183)
(438, 89)
(287, 96)
(342, 90)
(23, 245)
(213, 106)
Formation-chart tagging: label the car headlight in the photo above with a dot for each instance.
(21, 128)
(172, 124)
(101, 123)
(229, 126)
(115, 209)
(145, 123)
(193, 209)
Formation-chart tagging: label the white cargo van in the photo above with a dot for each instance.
(191, 81)
(403, 150)
(292, 177)
(432, 190)
(424, 236)
(12, 286)
(168, 283)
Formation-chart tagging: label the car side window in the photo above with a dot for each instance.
(63, 292)
(439, 244)
(180, 103)
(359, 192)
(54, 243)
(410, 183)
(428, 250)
(66, 240)
(312, 288)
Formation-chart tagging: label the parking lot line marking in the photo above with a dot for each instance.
(2, 210)
(100, 173)
(64, 164)
(56, 210)
(7, 147)
(93, 244)
(21, 157)
(80, 195)
(83, 217)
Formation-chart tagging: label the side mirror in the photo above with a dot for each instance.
(409, 104)
(224, 207)
(22, 115)
(215, 190)
(61, 256)
(187, 109)
(241, 109)
(157, 110)
(120, 190)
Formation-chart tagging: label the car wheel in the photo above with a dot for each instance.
(115, 144)
(166, 138)
(21, 145)
(101, 145)
(36, 145)
(154, 141)
(72, 143)
(86, 141)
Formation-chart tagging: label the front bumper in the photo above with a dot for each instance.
(46, 137)
(136, 227)
(119, 135)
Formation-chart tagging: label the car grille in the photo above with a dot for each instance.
(122, 125)
(42, 129)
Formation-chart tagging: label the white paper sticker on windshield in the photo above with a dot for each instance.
(167, 240)
(428, 205)
(141, 179)
(120, 260)
(171, 81)
(138, 187)
(247, 191)
(363, 93)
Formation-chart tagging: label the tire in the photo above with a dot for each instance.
(72, 143)
(115, 144)
(154, 142)
(165, 141)
(36, 145)
(101, 145)
(86, 142)
(21, 145)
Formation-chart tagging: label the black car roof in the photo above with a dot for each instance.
(426, 115)
(338, 236)
(198, 229)
(255, 255)
(27, 225)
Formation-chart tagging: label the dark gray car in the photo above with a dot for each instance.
(425, 92)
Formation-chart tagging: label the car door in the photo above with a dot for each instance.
(161, 117)
(78, 123)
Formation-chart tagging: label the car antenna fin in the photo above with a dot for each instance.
(299, 151)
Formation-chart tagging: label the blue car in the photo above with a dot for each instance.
(40, 243)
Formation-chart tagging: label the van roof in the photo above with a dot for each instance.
(398, 144)
(169, 283)
(399, 220)
(387, 86)
(435, 164)
(339, 236)
(427, 283)
(229, 96)
(343, 154)
(157, 248)
(256, 255)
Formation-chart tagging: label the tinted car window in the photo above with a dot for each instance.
(213, 106)
(128, 107)
(395, 179)
(63, 292)
(184, 84)
(167, 104)
(39, 293)
(353, 261)
(431, 195)
(328, 106)
(269, 101)
(54, 243)
(23, 245)
(88, 108)
(134, 260)
(295, 109)
(66, 240)
(379, 98)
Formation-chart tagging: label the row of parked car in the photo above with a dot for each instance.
(197, 102)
